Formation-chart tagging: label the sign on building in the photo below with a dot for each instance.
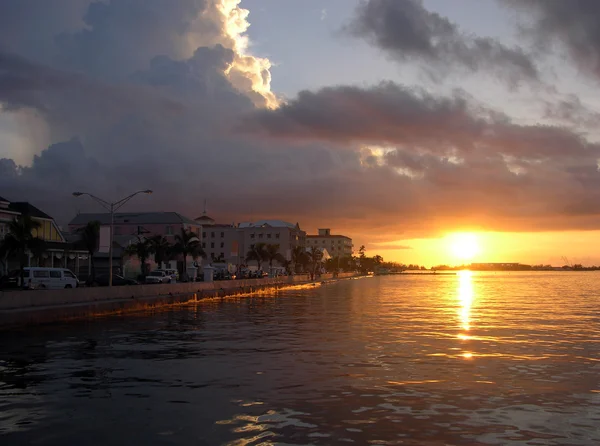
(104, 243)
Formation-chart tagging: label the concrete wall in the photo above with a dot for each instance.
(11, 300)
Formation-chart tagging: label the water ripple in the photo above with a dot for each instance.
(488, 359)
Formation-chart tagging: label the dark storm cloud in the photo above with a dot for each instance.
(392, 114)
(407, 31)
(573, 23)
(455, 159)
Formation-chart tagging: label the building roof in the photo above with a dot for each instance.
(134, 218)
(26, 208)
(328, 236)
(205, 220)
(271, 223)
(4, 200)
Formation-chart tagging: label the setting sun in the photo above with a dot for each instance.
(463, 246)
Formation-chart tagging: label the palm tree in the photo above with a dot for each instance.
(272, 253)
(20, 240)
(142, 250)
(188, 244)
(161, 248)
(89, 236)
(315, 255)
(258, 253)
(299, 257)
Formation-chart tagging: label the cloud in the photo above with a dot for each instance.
(388, 247)
(570, 111)
(575, 24)
(408, 31)
(448, 158)
(190, 118)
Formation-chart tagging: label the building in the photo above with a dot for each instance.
(273, 232)
(59, 250)
(129, 227)
(336, 245)
(229, 243)
(167, 224)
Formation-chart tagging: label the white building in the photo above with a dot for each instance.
(336, 245)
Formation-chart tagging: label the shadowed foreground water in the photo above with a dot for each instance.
(506, 359)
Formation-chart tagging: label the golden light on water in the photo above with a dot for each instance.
(465, 296)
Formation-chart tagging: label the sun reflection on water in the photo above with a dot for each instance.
(465, 296)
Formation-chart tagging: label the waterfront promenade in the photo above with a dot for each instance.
(37, 306)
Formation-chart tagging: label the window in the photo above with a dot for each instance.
(169, 230)
(204, 244)
(55, 274)
(223, 255)
(41, 273)
(260, 235)
(204, 235)
(222, 234)
(69, 274)
(268, 235)
(277, 235)
(222, 245)
(252, 235)
(323, 242)
(212, 245)
(212, 235)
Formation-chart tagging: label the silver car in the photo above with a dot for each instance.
(158, 277)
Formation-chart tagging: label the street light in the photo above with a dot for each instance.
(111, 207)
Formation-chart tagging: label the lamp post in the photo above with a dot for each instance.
(111, 207)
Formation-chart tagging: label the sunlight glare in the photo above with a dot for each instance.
(464, 245)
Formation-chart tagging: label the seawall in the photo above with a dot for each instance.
(43, 306)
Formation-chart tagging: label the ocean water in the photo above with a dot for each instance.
(472, 359)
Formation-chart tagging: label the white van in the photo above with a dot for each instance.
(40, 278)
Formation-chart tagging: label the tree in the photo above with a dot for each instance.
(89, 236)
(142, 250)
(315, 255)
(258, 253)
(272, 253)
(161, 248)
(188, 244)
(299, 257)
(20, 241)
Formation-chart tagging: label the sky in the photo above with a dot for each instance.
(400, 123)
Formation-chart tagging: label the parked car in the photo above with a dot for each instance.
(10, 280)
(173, 273)
(102, 280)
(158, 276)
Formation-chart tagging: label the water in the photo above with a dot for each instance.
(490, 359)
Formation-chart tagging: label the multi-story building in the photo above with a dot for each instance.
(6, 216)
(167, 224)
(229, 243)
(58, 251)
(128, 228)
(336, 245)
(273, 232)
